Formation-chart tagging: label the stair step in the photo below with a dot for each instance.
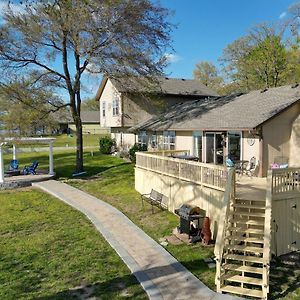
(253, 259)
(245, 248)
(246, 222)
(246, 230)
(240, 268)
(247, 213)
(239, 238)
(244, 279)
(249, 206)
(242, 291)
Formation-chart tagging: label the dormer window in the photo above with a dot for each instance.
(115, 107)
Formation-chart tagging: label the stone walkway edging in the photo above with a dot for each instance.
(155, 288)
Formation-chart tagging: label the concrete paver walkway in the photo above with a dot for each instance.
(160, 274)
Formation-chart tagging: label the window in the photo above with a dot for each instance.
(169, 140)
(103, 109)
(197, 144)
(153, 140)
(115, 107)
(142, 138)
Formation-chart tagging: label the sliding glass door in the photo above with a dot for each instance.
(234, 146)
(214, 148)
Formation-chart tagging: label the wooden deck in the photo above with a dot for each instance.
(251, 188)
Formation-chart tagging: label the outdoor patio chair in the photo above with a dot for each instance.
(31, 169)
(252, 167)
(14, 165)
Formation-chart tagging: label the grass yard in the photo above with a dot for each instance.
(70, 140)
(112, 180)
(65, 140)
(50, 251)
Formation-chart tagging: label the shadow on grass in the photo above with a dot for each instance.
(92, 171)
(116, 288)
(285, 276)
(123, 287)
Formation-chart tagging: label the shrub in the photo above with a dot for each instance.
(107, 145)
(136, 148)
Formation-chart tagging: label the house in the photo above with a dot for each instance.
(250, 219)
(260, 124)
(125, 102)
(90, 123)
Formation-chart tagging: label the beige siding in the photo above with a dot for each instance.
(277, 136)
(184, 141)
(179, 192)
(123, 140)
(250, 150)
(295, 144)
(108, 95)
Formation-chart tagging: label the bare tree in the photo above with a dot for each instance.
(57, 41)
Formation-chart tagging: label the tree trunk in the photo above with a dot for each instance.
(79, 146)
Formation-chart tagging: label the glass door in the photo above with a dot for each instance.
(197, 144)
(214, 148)
(234, 146)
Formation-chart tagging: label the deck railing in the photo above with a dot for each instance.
(200, 173)
(285, 181)
(169, 153)
(229, 197)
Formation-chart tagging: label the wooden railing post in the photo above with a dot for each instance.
(267, 236)
(220, 240)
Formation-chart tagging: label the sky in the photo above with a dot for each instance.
(204, 29)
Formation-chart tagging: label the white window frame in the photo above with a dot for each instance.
(116, 107)
(142, 138)
(169, 140)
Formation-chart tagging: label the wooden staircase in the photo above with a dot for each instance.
(243, 248)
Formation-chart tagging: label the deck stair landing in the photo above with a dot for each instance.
(243, 263)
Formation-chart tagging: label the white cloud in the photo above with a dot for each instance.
(283, 15)
(17, 8)
(172, 58)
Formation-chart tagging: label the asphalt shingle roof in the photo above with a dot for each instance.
(165, 85)
(225, 113)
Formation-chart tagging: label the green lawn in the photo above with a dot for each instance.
(110, 179)
(70, 140)
(50, 251)
(65, 140)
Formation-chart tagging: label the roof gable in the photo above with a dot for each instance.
(163, 86)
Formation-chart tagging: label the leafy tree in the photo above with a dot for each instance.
(207, 73)
(258, 60)
(90, 105)
(25, 110)
(58, 41)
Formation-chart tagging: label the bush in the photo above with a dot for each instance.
(107, 145)
(136, 148)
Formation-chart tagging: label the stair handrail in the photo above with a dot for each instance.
(267, 235)
(220, 240)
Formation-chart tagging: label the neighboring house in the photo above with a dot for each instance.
(261, 124)
(126, 102)
(90, 123)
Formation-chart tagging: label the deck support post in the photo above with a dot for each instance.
(1, 163)
(51, 165)
(14, 152)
